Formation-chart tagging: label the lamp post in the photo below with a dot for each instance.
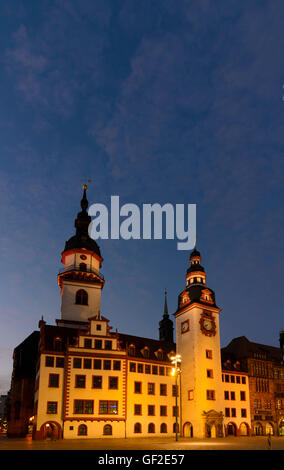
(176, 370)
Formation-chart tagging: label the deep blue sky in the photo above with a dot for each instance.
(154, 101)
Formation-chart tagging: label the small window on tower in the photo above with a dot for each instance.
(81, 297)
(83, 266)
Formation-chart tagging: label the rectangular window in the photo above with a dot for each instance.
(238, 378)
(210, 394)
(108, 407)
(190, 395)
(87, 363)
(151, 410)
(98, 327)
(116, 365)
(132, 367)
(137, 387)
(53, 380)
(98, 344)
(97, 364)
(87, 343)
(140, 368)
(232, 379)
(151, 388)
(175, 390)
(175, 411)
(97, 381)
(210, 373)
(107, 364)
(155, 370)
(138, 410)
(243, 380)
(60, 362)
(51, 407)
(243, 396)
(113, 383)
(77, 363)
(49, 361)
(227, 412)
(209, 354)
(147, 369)
(80, 381)
(233, 396)
(233, 410)
(163, 389)
(227, 378)
(161, 370)
(243, 413)
(108, 345)
(226, 395)
(83, 406)
(163, 410)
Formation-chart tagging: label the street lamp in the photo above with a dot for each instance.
(176, 370)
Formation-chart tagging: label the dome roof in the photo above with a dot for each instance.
(195, 252)
(82, 238)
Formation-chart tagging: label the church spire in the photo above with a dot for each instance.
(166, 312)
(166, 328)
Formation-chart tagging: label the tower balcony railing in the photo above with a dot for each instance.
(83, 269)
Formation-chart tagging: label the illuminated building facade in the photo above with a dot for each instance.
(83, 379)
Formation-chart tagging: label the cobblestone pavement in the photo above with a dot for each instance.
(227, 443)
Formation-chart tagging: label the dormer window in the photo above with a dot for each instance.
(58, 344)
(146, 353)
(160, 354)
(131, 350)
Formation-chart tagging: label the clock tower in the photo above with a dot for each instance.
(80, 280)
(198, 343)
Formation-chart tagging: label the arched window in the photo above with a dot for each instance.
(83, 267)
(146, 353)
(163, 428)
(81, 297)
(107, 430)
(82, 430)
(175, 427)
(137, 428)
(151, 427)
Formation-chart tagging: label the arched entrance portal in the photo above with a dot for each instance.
(51, 430)
(258, 429)
(281, 428)
(231, 429)
(187, 430)
(244, 429)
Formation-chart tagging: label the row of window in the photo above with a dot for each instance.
(149, 369)
(233, 379)
(266, 404)
(98, 343)
(232, 395)
(109, 407)
(151, 387)
(107, 429)
(261, 385)
(232, 413)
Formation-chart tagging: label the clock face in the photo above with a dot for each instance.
(207, 325)
(185, 326)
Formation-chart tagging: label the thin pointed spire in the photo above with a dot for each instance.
(166, 312)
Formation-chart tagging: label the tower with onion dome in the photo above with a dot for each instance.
(80, 280)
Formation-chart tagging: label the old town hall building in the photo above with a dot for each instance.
(81, 378)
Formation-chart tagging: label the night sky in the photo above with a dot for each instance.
(154, 101)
